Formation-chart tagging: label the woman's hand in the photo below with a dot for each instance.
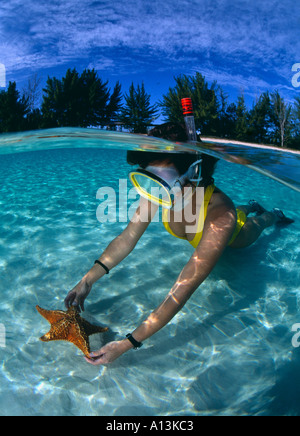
(109, 353)
(77, 296)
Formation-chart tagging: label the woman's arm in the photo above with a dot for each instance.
(218, 230)
(124, 244)
(219, 227)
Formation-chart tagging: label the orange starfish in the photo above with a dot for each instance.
(69, 326)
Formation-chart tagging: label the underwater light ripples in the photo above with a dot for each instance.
(223, 355)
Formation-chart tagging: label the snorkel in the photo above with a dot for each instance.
(163, 185)
(189, 119)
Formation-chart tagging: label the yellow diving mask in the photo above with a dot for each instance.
(161, 185)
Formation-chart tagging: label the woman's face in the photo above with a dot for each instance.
(167, 171)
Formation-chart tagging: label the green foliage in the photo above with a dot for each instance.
(296, 124)
(295, 140)
(114, 105)
(84, 100)
(79, 100)
(226, 116)
(137, 114)
(13, 109)
(260, 122)
(281, 113)
(270, 121)
(204, 99)
(34, 120)
(241, 124)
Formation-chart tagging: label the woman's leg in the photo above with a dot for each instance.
(253, 227)
(253, 207)
(246, 209)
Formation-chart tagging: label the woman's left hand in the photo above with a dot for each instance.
(109, 353)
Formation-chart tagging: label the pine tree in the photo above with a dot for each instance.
(227, 116)
(260, 120)
(79, 100)
(241, 125)
(114, 106)
(281, 113)
(13, 109)
(138, 113)
(222, 115)
(295, 121)
(204, 98)
(230, 121)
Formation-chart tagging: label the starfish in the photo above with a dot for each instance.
(69, 326)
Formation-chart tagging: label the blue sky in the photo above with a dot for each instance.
(248, 46)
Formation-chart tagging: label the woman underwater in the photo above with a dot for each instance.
(194, 209)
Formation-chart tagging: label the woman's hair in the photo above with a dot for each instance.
(170, 131)
(181, 161)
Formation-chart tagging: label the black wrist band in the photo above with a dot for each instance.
(103, 266)
(135, 343)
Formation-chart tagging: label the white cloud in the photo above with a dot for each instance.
(250, 36)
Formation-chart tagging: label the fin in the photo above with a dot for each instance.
(282, 219)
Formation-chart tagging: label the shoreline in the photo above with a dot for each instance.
(247, 144)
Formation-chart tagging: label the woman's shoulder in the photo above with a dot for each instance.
(220, 199)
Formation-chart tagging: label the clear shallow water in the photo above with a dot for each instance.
(229, 350)
(267, 160)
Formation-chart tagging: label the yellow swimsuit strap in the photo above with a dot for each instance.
(202, 216)
(201, 220)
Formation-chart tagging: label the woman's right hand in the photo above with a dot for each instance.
(77, 296)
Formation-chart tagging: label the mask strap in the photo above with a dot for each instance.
(190, 174)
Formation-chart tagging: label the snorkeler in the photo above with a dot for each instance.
(193, 209)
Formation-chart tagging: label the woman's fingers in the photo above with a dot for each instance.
(69, 300)
(97, 358)
(73, 299)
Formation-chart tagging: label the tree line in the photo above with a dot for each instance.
(85, 100)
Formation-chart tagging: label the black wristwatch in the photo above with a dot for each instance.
(135, 343)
